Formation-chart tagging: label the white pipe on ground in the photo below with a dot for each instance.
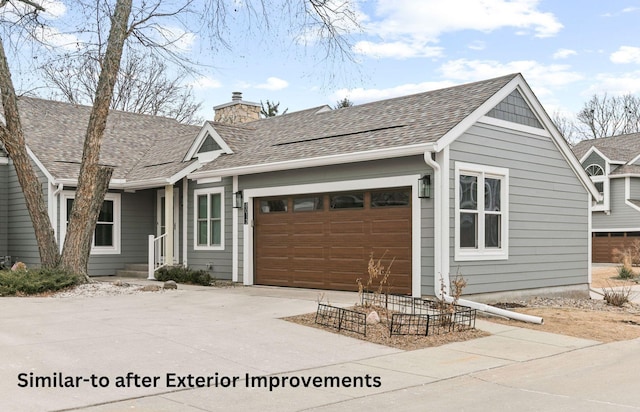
(441, 251)
(496, 311)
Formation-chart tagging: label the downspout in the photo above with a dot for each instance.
(441, 242)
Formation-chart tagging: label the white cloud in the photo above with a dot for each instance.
(419, 24)
(206, 83)
(615, 84)
(399, 50)
(54, 8)
(273, 83)
(626, 54)
(543, 78)
(431, 18)
(361, 95)
(564, 53)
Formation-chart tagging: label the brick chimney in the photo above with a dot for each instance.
(237, 111)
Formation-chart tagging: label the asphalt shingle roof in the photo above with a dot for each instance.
(142, 147)
(403, 121)
(55, 132)
(617, 148)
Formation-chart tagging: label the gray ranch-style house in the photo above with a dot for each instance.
(613, 164)
(472, 179)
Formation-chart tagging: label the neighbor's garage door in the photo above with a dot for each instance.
(325, 240)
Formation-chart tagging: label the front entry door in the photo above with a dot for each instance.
(161, 227)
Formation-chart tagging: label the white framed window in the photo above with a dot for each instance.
(208, 219)
(481, 212)
(601, 181)
(106, 237)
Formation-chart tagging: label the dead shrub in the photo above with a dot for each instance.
(378, 278)
(617, 297)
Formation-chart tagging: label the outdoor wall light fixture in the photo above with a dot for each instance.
(424, 187)
(237, 200)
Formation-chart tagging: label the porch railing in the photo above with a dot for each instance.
(157, 252)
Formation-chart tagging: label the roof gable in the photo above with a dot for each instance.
(207, 145)
(514, 108)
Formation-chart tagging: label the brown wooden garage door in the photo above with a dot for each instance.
(606, 246)
(325, 240)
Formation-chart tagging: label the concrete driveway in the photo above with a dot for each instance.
(158, 351)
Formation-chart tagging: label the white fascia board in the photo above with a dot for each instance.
(617, 176)
(477, 114)
(207, 129)
(635, 159)
(519, 83)
(38, 163)
(124, 184)
(184, 172)
(627, 194)
(558, 140)
(377, 154)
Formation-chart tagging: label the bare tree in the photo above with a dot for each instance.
(605, 115)
(142, 85)
(143, 25)
(566, 127)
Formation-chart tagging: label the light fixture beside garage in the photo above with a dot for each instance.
(237, 200)
(424, 187)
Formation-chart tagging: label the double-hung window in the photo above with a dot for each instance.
(106, 237)
(481, 212)
(209, 219)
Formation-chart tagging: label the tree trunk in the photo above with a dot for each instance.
(93, 180)
(12, 136)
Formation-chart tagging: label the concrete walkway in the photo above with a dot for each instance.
(138, 352)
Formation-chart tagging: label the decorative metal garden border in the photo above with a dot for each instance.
(341, 319)
(417, 316)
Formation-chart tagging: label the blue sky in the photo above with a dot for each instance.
(566, 49)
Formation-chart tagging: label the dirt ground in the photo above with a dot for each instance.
(586, 318)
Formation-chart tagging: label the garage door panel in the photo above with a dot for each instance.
(330, 249)
(345, 252)
(347, 227)
(310, 252)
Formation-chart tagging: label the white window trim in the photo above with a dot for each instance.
(208, 191)
(95, 250)
(605, 205)
(482, 253)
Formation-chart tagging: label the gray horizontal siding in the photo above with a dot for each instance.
(220, 260)
(355, 171)
(621, 216)
(634, 185)
(548, 213)
(22, 244)
(4, 206)
(137, 223)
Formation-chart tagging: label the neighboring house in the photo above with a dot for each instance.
(613, 163)
(472, 179)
